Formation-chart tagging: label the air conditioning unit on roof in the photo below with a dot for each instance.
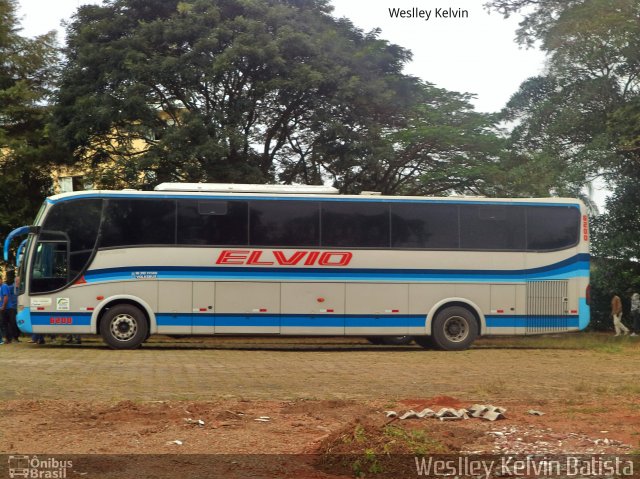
(247, 188)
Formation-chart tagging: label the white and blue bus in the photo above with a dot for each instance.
(204, 259)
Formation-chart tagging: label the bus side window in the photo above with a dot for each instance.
(552, 227)
(211, 223)
(140, 222)
(492, 227)
(355, 224)
(424, 226)
(287, 223)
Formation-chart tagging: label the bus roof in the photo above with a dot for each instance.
(128, 193)
(247, 188)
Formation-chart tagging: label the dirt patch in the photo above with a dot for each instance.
(303, 438)
(215, 427)
(376, 445)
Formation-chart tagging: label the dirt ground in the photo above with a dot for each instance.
(289, 404)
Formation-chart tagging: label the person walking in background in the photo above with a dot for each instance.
(9, 333)
(616, 313)
(635, 313)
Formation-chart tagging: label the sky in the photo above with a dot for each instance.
(475, 53)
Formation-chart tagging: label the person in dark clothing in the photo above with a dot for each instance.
(10, 330)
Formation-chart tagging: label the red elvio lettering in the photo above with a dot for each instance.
(254, 258)
(311, 259)
(343, 258)
(232, 257)
(293, 260)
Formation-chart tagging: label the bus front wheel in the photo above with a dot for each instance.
(124, 327)
(454, 329)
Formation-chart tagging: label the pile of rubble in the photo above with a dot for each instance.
(481, 411)
(533, 440)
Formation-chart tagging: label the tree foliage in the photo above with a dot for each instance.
(259, 91)
(26, 74)
(563, 118)
(581, 119)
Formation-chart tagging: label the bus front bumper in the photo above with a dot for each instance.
(584, 314)
(24, 321)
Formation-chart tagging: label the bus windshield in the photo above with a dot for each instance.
(65, 244)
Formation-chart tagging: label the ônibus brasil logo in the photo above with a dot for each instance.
(34, 467)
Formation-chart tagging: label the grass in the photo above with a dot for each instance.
(415, 441)
(370, 447)
(586, 341)
(494, 388)
(586, 410)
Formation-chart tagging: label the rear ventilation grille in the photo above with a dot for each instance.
(547, 304)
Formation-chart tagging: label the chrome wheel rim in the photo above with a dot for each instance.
(124, 327)
(456, 329)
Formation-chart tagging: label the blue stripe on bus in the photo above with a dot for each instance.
(576, 266)
(361, 321)
(364, 199)
(524, 321)
(312, 321)
(367, 321)
(309, 321)
(302, 320)
(173, 319)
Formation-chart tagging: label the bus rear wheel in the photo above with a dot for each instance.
(124, 327)
(454, 329)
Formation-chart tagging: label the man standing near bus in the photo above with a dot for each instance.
(9, 333)
(616, 313)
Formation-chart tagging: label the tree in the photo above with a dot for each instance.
(581, 119)
(26, 74)
(593, 70)
(257, 91)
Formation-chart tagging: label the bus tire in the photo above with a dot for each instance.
(454, 329)
(124, 327)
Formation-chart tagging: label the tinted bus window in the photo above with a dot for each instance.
(424, 225)
(355, 224)
(65, 245)
(492, 227)
(552, 227)
(79, 220)
(284, 223)
(207, 222)
(131, 222)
